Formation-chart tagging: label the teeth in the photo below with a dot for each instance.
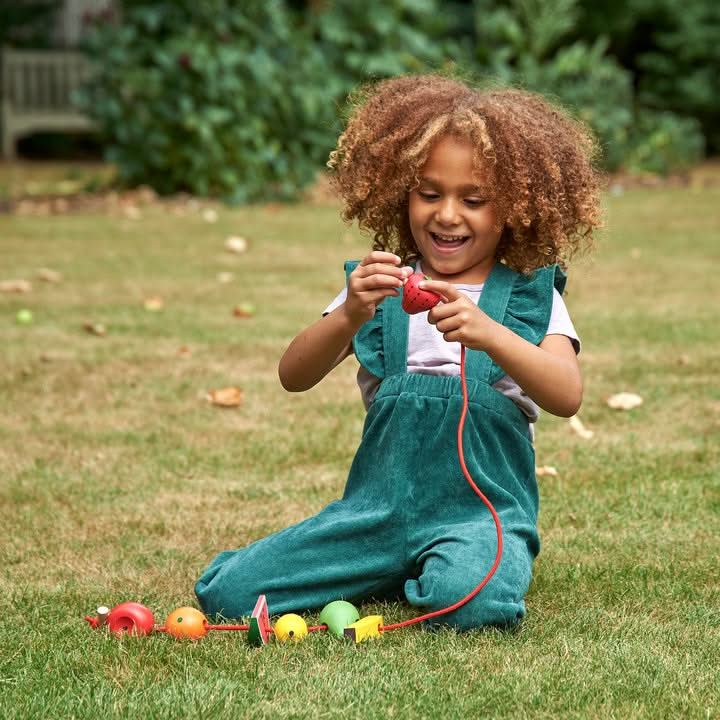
(449, 238)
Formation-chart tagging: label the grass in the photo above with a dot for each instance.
(120, 481)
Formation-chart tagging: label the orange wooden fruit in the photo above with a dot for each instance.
(186, 623)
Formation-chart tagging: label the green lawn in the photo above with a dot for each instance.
(120, 481)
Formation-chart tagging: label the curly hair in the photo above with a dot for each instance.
(535, 163)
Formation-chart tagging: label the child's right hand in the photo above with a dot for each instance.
(377, 277)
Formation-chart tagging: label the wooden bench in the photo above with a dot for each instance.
(36, 94)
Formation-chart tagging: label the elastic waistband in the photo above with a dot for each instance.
(443, 386)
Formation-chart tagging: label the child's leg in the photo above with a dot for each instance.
(341, 553)
(454, 565)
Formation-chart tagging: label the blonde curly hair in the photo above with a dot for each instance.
(536, 164)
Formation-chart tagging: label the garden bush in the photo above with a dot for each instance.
(534, 43)
(671, 48)
(380, 38)
(241, 99)
(210, 98)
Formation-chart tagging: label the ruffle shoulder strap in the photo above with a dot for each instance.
(368, 341)
(529, 303)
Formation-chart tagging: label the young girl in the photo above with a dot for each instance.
(486, 193)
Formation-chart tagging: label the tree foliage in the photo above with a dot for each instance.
(207, 98)
(242, 98)
(27, 24)
(238, 98)
(537, 43)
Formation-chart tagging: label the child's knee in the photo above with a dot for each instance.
(499, 603)
(482, 612)
(496, 605)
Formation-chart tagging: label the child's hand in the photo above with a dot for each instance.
(458, 318)
(377, 277)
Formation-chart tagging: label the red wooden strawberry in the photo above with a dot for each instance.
(416, 300)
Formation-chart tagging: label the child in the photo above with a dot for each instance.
(485, 192)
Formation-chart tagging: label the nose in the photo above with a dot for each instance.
(447, 212)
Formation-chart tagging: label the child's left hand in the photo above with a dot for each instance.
(458, 318)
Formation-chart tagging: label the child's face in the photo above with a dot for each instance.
(452, 222)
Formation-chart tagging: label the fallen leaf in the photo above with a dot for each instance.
(236, 244)
(246, 310)
(15, 286)
(184, 351)
(209, 215)
(624, 401)
(226, 397)
(225, 277)
(154, 303)
(48, 275)
(95, 329)
(544, 470)
(132, 212)
(578, 428)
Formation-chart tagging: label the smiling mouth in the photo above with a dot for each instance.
(446, 243)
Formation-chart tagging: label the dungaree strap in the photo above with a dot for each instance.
(396, 323)
(493, 302)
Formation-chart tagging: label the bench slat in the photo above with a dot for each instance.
(36, 93)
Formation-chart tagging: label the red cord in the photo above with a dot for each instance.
(227, 627)
(480, 494)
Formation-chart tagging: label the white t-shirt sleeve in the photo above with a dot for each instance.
(560, 322)
(337, 302)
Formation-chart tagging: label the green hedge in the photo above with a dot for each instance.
(242, 99)
(202, 97)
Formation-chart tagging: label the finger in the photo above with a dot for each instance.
(444, 310)
(445, 322)
(379, 269)
(377, 296)
(380, 256)
(376, 280)
(448, 291)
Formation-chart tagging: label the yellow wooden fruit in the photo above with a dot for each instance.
(290, 627)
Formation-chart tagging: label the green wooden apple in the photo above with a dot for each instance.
(337, 615)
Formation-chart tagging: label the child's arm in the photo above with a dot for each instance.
(327, 342)
(549, 373)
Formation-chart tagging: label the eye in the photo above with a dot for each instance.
(427, 195)
(475, 202)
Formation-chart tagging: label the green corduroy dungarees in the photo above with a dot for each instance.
(408, 522)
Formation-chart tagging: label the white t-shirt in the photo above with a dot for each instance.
(429, 353)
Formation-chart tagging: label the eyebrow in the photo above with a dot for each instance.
(463, 188)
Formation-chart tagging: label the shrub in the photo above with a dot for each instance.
(681, 73)
(662, 142)
(241, 99)
(211, 98)
(380, 38)
(534, 43)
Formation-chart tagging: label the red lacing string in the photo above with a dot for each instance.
(480, 494)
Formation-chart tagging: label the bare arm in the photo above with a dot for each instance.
(316, 351)
(549, 373)
(327, 342)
